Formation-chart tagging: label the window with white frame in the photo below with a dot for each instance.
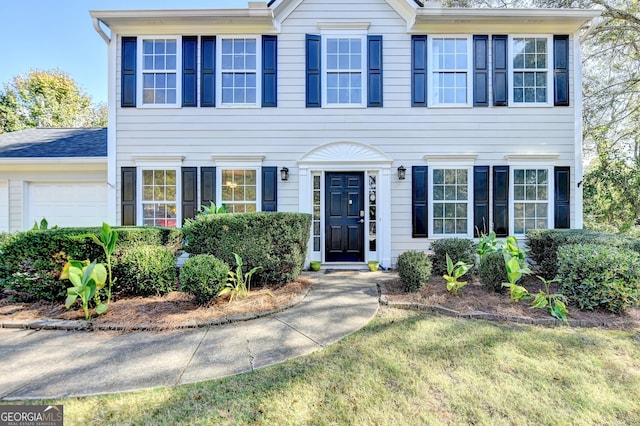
(159, 197)
(344, 70)
(531, 72)
(240, 190)
(530, 199)
(239, 58)
(450, 70)
(160, 71)
(450, 206)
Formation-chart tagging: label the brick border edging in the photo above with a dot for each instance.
(547, 322)
(82, 325)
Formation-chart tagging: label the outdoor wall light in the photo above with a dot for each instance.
(402, 173)
(284, 173)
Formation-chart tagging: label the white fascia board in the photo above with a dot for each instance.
(222, 20)
(439, 20)
(53, 163)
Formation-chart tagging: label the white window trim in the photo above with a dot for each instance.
(167, 165)
(550, 194)
(218, 71)
(469, 168)
(431, 70)
(140, 71)
(240, 164)
(550, 59)
(344, 33)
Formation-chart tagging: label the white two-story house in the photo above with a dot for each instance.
(392, 122)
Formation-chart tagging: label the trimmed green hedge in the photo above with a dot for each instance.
(492, 271)
(414, 268)
(203, 275)
(593, 276)
(32, 260)
(544, 243)
(275, 241)
(459, 249)
(145, 270)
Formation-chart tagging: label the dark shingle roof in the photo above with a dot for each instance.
(49, 142)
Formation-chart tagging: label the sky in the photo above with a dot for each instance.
(50, 34)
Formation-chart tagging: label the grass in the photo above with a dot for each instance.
(409, 368)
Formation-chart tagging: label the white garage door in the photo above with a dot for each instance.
(66, 203)
(4, 206)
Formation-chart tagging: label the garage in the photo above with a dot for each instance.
(66, 203)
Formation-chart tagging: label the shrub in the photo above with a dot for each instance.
(203, 276)
(145, 270)
(414, 268)
(492, 271)
(459, 249)
(544, 243)
(32, 260)
(594, 276)
(275, 241)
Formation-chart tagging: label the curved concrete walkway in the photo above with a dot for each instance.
(42, 364)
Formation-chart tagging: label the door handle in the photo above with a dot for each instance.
(361, 221)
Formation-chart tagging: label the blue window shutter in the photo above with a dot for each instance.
(313, 71)
(374, 71)
(480, 70)
(207, 185)
(208, 71)
(189, 71)
(480, 200)
(500, 71)
(501, 200)
(269, 71)
(128, 196)
(419, 70)
(269, 189)
(419, 201)
(562, 196)
(561, 70)
(189, 192)
(128, 72)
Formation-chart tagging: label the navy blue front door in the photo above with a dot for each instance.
(344, 217)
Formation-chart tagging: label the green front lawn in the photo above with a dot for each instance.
(408, 368)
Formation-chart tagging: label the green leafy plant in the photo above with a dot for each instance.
(488, 243)
(239, 283)
(43, 225)
(414, 269)
(513, 249)
(492, 271)
(556, 302)
(87, 279)
(455, 271)
(107, 241)
(515, 271)
(204, 276)
(213, 209)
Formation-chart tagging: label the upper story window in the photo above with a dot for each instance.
(531, 70)
(239, 58)
(344, 70)
(450, 70)
(160, 58)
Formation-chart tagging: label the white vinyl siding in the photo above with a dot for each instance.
(4, 206)
(406, 135)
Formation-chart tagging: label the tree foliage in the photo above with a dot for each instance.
(47, 99)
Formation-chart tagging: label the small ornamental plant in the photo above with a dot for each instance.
(454, 272)
(556, 303)
(515, 271)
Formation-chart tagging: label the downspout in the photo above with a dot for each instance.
(98, 28)
(112, 216)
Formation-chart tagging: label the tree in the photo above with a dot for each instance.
(47, 99)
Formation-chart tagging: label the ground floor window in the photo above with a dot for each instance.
(530, 199)
(159, 197)
(239, 190)
(450, 196)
